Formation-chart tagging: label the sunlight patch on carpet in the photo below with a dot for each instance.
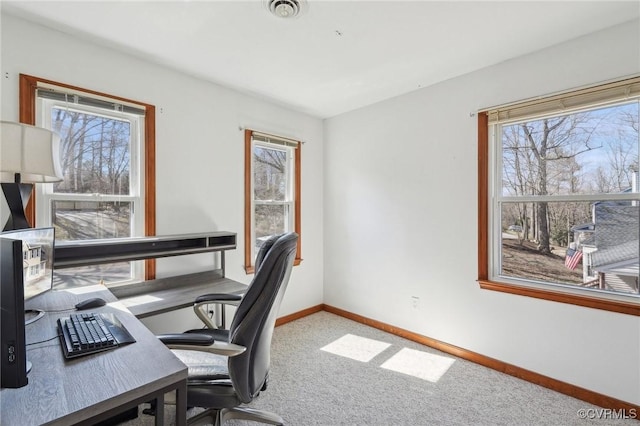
(356, 347)
(422, 365)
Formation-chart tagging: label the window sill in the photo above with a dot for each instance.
(572, 299)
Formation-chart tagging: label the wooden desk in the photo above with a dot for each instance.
(93, 387)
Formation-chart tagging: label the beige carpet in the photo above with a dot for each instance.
(327, 370)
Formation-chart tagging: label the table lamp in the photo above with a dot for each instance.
(28, 155)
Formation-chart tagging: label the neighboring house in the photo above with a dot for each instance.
(611, 247)
(34, 262)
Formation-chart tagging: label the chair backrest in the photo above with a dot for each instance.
(253, 323)
(264, 249)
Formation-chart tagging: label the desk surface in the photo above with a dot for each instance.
(71, 391)
(150, 298)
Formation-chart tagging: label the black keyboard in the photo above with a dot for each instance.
(87, 333)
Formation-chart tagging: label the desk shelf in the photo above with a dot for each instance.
(161, 295)
(70, 254)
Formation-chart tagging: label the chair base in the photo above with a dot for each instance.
(219, 417)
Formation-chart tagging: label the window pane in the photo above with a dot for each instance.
(92, 275)
(95, 152)
(269, 174)
(270, 220)
(592, 152)
(82, 220)
(586, 244)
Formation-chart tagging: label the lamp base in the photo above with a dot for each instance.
(17, 195)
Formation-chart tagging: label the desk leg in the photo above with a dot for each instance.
(181, 404)
(159, 410)
(223, 316)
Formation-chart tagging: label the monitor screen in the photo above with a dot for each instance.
(37, 258)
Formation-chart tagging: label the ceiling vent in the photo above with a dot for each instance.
(285, 8)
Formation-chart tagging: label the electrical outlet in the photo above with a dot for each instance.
(415, 302)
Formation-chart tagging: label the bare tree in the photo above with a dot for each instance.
(621, 150)
(95, 153)
(545, 144)
(269, 185)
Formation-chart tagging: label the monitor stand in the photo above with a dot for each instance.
(32, 315)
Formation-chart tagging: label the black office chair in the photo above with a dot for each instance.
(220, 300)
(233, 370)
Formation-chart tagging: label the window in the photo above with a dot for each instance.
(106, 159)
(272, 191)
(559, 202)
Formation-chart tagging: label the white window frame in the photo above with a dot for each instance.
(495, 227)
(294, 184)
(45, 193)
(490, 191)
(289, 194)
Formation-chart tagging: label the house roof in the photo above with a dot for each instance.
(627, 268)
(616, 234)
(583, 227)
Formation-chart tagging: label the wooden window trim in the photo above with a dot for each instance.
(27, 115)
(297, 225)
(483, 245)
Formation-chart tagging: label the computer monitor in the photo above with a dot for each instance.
(37, 263)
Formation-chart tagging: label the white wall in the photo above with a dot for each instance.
(401, 221)
(399, 194)
(199, 147)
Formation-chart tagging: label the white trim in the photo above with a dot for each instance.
(72, 92)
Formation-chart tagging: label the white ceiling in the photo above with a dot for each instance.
(337, 55)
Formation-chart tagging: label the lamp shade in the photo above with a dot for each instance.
(31, 151)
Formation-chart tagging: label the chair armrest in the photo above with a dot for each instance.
(218, 298)
(186, 339)
(200, 342)
(199, 306)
